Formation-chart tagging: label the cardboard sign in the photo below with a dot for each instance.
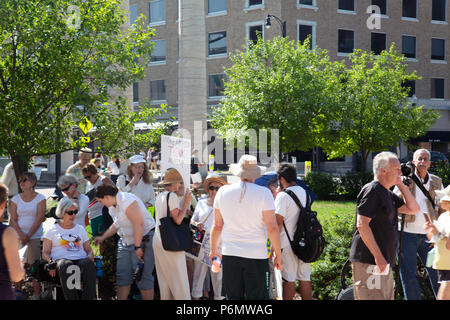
(176, 153)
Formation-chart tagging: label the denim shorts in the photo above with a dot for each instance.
(127, 263)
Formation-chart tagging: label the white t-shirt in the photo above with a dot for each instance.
(203, 211)
(244, 232)
(27, 212)
(95, 210)
(67, 243)
(288, 209)
(114, 168)
(417, 226)
(124, 226)
(142, 190)
(161, 208)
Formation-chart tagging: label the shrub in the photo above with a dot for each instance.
(325, 273)
(352, 182)
(322, 184)
(442, 170)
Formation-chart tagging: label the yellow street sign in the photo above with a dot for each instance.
(85, 139)
(85, 125)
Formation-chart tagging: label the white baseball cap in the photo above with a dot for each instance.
(137, 159)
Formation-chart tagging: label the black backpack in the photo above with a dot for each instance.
(308, 241)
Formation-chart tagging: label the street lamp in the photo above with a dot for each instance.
(282, 24)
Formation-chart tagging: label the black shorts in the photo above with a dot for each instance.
(245, 278)
(443, 276)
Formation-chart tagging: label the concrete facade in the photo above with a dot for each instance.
(235, 17)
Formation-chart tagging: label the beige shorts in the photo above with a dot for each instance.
(33, 251)
(367, 286)
(293, 267)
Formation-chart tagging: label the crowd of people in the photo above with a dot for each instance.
(239, 219)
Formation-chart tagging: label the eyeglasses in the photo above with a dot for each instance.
(23, 180)
(213, 188)
(66, 188)
(72, 212)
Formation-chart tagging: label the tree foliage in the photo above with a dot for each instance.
(55, 56)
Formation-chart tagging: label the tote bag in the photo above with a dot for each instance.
(175, 237)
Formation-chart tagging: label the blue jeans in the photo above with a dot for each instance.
(415, 245)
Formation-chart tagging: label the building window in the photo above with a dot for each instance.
(157, 11)
(216, 86)
(157, 90)
(346, 41)
(437, 88)
(133, 14)
(438, 10)
(215, 6)
(307, 29)
(306, 2)
(158, 54)
(409, 8)
(135, 91)
(378, 42)
(382, 4)
(217, 43)
(409, 46)
(437, 49)
(410, 87)
(253, 30)
(347, 5)
(251, 3)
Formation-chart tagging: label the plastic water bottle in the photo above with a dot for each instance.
(98, 266)
(216, 264)
(139, 270)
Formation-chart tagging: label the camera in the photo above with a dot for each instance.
(407, 169)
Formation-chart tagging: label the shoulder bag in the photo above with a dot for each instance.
(175, 237)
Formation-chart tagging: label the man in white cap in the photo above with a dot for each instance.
(244, 214)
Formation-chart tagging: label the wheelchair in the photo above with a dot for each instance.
(51, 288)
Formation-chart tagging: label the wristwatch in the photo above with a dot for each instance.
(137, 247)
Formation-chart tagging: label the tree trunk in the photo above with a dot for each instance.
(364, 155)
(20, 164)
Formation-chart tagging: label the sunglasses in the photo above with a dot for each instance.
(213, 188)
(87, 177)
(72, 212)
(66, 188)
(23, 180)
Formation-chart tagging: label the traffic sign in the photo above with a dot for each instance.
(85, 139)
(85, 125)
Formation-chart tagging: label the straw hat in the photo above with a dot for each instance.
(443, 194)
(171, 176)
(247, 168)
(213, 177)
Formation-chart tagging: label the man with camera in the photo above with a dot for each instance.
(412, 235)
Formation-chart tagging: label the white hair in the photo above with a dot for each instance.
(419, 151)
(63, 205)
(382, 160)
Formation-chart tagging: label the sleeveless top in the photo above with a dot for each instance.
(6, 291)
(27, 212)
(95, 210)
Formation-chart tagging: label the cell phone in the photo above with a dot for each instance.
(427, 217)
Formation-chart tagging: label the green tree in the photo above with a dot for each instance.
(278, 84)
(55, 56)
(371, 111)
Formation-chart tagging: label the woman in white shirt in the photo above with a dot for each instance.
(113, 168)
(67, 244)
(138, 181)
(27, 212)
(136, 228)
(171, 265)
(68, 185)
(203, 218)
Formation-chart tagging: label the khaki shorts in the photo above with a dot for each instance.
(33, 251)
(367, 286)
(293, 267)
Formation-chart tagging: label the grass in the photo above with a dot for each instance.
(327, 208)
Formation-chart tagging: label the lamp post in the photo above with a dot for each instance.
(282, 24)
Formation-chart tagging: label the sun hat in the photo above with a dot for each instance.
(171, 176)
(443, 194)
(137, 159)
(247, 168)
(213, 177)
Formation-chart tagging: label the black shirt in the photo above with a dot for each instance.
(194, 165)
(380, 204)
